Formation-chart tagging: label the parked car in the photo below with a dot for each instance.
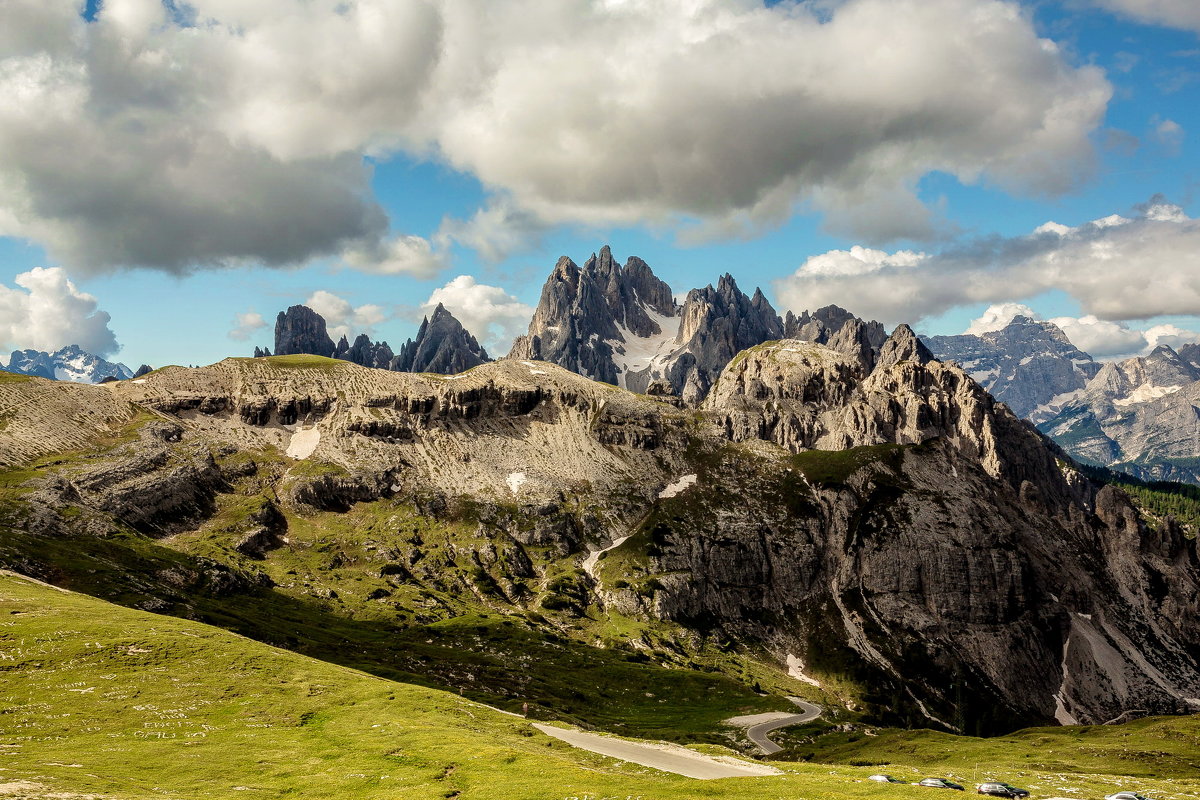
(1125, 796)
(940, 783)
(884, 779)
(1002, 789)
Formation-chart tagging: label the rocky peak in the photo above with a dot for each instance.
(824, 323)
(1139, 379)
(903, 345)
(370, 354)
(302, 330)
(1136, 416)
(1029, 364)
(840, 330)
(1191, 354)
(716, 325)
(603, 320)
(442, 345)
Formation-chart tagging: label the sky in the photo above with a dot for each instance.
(174, 173)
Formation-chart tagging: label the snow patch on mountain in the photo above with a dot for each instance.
(1145, 393)
(633, 353)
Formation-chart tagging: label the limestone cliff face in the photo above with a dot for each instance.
(587, 316)
(885, 522)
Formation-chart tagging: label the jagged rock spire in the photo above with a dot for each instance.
(442, 345)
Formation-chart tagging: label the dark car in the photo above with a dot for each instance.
(1001, 789)
(940, 783)
(884, 779)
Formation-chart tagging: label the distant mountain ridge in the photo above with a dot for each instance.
(442, 344)
(1140, 416)
(71, 363)
(1029, 364)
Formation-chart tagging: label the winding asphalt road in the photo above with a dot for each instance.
(759, 725)
(666, 757)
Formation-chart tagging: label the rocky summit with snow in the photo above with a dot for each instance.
(621, 325)
(71, 363)
(1029, 364)
(1140, 416)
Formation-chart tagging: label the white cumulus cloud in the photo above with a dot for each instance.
(1171, 335)
(496, 231)
(998, 316)
(1183, 14)
(245, 325)
(229, 132)
(399, 255)
(1101, 338)
(47, 312)
(1095, 263)
(343, 318)
(491, 314)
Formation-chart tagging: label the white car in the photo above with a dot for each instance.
(1125, 796)
(884, 779)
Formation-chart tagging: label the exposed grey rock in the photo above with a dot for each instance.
(145, 369)
(442, 345)
(716, 324)
(589, 318)
(1030, 365)
(621, 325)
(820, 325)
(1191, 354)
(302, 330)
(1140, 415)
(267, 531)
(366, 353)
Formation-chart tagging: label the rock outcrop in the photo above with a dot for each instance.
(300, 330)
(442, 345)
(836, 327)
(603, 321)
(1030, 365)
(1191, 354)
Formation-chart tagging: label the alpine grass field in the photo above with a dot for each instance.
(108, 702)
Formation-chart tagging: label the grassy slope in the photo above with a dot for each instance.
(442, 633)
(99, 698)
(95, 698)
(1163, 752)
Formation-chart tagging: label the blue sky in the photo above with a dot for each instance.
(181, 193)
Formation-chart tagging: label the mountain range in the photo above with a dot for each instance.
(620, 324)
(71, 363)
(730, 509)
(442, 344)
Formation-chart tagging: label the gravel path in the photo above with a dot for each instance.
(667, 757)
